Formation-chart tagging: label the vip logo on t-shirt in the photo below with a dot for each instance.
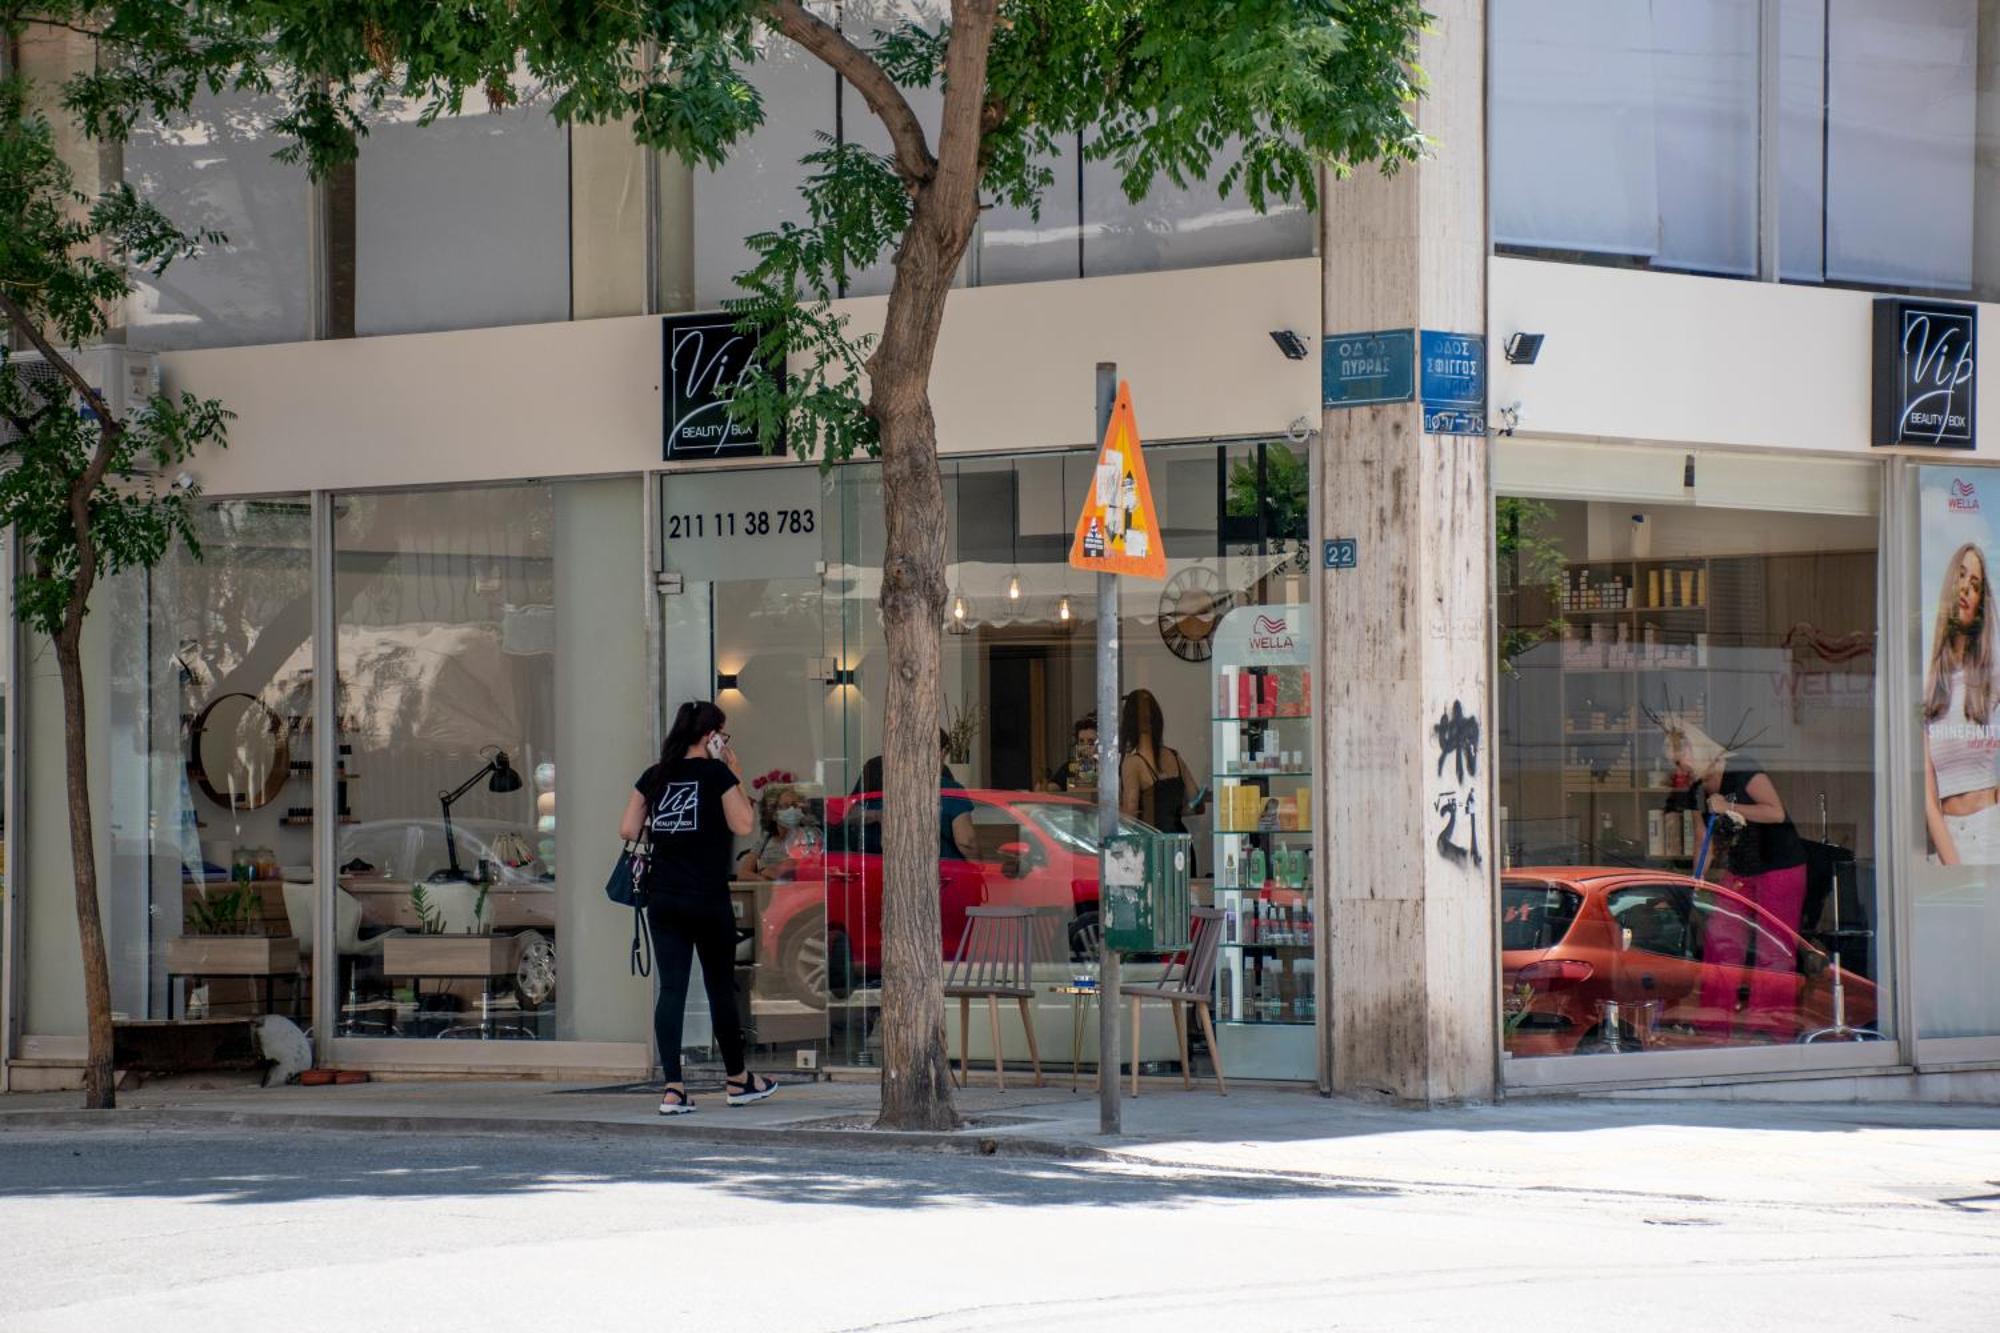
(679, 810)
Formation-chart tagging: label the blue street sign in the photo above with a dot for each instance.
(1341, 553)
(1453, 383)
(1361, 368)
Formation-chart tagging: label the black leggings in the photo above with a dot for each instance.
(683, 927)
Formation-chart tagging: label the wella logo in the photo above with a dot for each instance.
(1963, 498)
(1271, 634)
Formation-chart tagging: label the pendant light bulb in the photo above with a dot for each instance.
(1062, 609)
(1013, 587)
(958, 608)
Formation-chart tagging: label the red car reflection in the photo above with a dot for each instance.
(1688, 963)
(822, 932)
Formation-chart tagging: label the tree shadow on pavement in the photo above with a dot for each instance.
(257, 1166)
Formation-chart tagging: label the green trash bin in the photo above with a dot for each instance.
(1143, 896)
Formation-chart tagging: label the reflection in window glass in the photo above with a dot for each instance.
(210, 888)
(787, 612)
(1628, 131)
(1626, 128)
(1177, 227)
(758, 188)
(214, 171)
(1687, 689)
(447, 710)
(462, 223)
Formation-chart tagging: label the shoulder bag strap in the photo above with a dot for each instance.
(642, 944)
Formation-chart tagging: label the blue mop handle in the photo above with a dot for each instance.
(1707, 837)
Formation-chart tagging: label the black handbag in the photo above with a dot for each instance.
(627, 888)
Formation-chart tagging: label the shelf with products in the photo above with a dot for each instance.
(1264, 859)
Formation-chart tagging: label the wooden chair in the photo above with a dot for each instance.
(996, 959)
(1188, 981)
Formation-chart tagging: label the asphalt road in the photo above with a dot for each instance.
(182, 1229)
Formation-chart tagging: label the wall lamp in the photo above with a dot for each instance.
(1293, 346)
(725, 681)
(842, 676)
(1523, 348)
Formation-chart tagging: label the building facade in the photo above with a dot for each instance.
(477, 521)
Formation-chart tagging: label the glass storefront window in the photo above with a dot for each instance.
(215, 171)
(776, 617)
(209, 905)
(1625, 132)
(1687, 780)
(447, 900)
(461, 223)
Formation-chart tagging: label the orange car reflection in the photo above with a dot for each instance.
(1576, 942)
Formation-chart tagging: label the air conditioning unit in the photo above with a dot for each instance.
(124, 377)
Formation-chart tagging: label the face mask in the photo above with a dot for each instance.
(790, 816)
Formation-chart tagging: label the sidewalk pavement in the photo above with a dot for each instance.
(1782, 1155)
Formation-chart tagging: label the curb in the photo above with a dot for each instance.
(969, 1143)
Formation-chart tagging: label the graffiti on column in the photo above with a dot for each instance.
(1457, 734)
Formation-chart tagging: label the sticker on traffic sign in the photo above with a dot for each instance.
(1118, 531)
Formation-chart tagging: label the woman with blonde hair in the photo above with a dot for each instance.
(1756, 852)
(1961, 786)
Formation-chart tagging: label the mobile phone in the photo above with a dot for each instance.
(715, 745)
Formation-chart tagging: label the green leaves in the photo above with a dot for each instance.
(1160, 88)
(1163, 90)
(857, 207)
(63, 267)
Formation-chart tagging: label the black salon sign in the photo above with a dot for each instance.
(705, 357)
(1926, 373)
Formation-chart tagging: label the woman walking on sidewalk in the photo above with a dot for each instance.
(691, 804)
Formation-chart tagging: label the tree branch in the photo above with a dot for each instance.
(87, 481)
(962, 131)
(32, 331)
(913, 155)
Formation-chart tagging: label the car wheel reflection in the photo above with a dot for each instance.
(816, 963)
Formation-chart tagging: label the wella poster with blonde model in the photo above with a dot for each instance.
(1959, 517)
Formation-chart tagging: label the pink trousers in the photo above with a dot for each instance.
(1750, 972)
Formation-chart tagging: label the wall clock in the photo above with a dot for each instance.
(1192, 604)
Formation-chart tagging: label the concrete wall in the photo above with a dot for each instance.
(1014, 371)
(52, 980)
(1656, 356)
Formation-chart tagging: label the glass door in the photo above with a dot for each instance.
(743, 623)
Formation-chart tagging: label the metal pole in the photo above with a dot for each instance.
(1107, 796)
(327, 998)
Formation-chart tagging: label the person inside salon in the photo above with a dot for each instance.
(1079, 771)
(955, 837)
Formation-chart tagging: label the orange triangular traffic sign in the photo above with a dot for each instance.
(1119, 529)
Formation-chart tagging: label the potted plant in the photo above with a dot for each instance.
(961, 728)
(449, 943)
(224, 936)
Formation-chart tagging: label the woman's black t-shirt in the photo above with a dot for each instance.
(1757, 848)
(691, 838)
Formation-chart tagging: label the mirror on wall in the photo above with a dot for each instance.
(237, 752)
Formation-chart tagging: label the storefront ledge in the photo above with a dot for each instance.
(436, 1060)
(44, 1075)
(1671, 1069)
(970, 1142)
(1057, 1076)
(1897, 1083)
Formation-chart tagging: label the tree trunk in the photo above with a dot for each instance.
(916, 1070)
(98, 1090)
